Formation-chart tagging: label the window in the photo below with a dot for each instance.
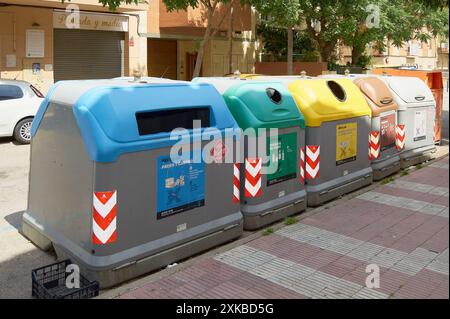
(166, 121)
(10, 92)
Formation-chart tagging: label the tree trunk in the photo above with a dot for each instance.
(230, 40)
(290, 51)
(326, 51)
(200, 54)
(356, 55)
(209, 32)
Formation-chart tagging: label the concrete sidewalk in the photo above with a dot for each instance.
(400, 225)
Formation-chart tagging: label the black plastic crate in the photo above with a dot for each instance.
(49, 282)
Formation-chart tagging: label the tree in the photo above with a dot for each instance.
(322, 19)
(397, 21)
(281, 13)
(275, 43)
(211, 7)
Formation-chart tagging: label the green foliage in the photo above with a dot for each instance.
(278, 13)
(404, 172)
(399, 22)
(387, 180)
(290, 221)
(344, 21)
(267, 231)
(275, 43)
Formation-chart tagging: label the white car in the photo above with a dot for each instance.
(19, 102)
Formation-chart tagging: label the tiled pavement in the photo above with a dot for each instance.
(402, 226)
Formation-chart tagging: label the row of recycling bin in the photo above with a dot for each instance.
(106, 191)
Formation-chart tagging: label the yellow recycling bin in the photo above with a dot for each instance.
(338, 122)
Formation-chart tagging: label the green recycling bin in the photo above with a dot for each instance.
(279, 190)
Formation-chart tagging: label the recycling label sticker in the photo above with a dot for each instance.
(346, 142)
(180, 186)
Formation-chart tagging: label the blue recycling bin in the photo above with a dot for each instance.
(104, 189)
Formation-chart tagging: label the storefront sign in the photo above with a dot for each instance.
(88, 21)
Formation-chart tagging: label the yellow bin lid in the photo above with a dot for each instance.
(325, 100)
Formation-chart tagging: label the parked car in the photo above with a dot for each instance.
(19, 102)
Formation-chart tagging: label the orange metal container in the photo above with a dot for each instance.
(434, 81)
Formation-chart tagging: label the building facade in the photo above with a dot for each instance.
(429, 55)
(174, 38)
(42, 41)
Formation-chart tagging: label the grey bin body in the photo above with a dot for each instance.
(288, 196)
(277, 201)
(389, 161)
(63, 178)
(335, 181)
(417, 109)
(324, 114)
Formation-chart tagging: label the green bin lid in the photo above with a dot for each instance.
(259, 104)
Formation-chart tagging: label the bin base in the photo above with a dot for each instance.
(324, 192)
(112, 277)
(384, 168)
(36, 236)
(257, 216)
(111, 274)
(417, 156)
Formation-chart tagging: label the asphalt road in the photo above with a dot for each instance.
(17, 255)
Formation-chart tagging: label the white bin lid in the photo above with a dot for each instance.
(410, 89)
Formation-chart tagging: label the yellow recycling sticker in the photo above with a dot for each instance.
(346, 142)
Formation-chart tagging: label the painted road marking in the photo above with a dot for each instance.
(422, 188)
(296, 277)
(407, 203)
(407, 263)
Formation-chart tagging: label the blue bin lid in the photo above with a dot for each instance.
(105, 112)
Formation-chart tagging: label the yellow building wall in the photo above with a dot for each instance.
(15, 20)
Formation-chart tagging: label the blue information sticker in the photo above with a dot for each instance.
(181, 186)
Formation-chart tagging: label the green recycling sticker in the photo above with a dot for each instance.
(283, 151)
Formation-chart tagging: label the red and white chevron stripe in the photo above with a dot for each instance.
(104, 222)
(236, 183)
(374, 145)
(400, 131)
(302, 165)
(312, 161)
(253, 177)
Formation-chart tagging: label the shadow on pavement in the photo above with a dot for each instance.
(15, 273)
(445, 124)
(15, 220)
(7, 140)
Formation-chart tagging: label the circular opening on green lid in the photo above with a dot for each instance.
(274, 95)
(337, 90)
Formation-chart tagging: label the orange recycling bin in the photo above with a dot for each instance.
(434, 81)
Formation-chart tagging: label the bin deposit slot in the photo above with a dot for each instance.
(274, 95)
(337, 90)
(154, 122)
